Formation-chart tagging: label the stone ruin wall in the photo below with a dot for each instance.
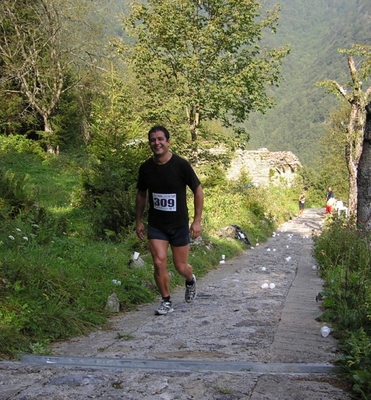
(265, 167)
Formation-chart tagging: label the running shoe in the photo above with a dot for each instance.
(190, 293)
(165, 307)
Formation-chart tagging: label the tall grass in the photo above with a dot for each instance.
(344, 255)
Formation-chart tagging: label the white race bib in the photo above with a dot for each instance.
(164, 202)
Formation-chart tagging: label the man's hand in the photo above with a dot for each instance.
(140, 230)
(196, 229)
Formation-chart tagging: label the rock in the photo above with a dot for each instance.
(136, 263)
(234, 231)
(113, 304)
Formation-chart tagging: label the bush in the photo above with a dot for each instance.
(13, 197)
(345, 259)
(356, 361)
(17, 144)
(116, 151)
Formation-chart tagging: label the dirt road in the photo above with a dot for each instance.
(238, 340)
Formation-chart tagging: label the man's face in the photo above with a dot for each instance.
(158, 143)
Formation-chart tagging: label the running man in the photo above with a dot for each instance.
(164, 178)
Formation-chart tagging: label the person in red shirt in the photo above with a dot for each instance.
(330, 200)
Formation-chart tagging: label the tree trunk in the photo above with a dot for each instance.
(353, 146)
(193, 116)
(364, 177)
(352, 199)
(355, 135)
(353, 150)
(50, 148)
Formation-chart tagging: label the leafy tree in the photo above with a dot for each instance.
(331, 161)
(41, 54)
(352, 93)
(331, 169)
(116, 150)
(202, 58)
(31, 54)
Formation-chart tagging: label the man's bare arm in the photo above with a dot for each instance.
(198, 207)
(140, 203)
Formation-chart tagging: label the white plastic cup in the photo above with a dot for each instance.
(223, 256)
(325, 331)
(272, 285)
(136, 255)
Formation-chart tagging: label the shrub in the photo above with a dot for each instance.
(18, 144)
(12, 194)
(345, 259)
(116, 151)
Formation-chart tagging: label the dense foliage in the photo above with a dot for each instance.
(44, 58)
(204, 58)
(315, 30)
(295, 123)
(116, 149)
(344, 256)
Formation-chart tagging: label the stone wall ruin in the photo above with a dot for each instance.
(265, 167)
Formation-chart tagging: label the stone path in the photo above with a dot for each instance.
(238, 340)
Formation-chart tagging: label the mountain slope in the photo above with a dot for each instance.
(315, 31)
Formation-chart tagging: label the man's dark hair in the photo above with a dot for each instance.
(158, 128)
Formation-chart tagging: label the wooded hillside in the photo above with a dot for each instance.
(315, 30)
(48, 87)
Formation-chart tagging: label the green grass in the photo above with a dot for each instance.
(344, 254)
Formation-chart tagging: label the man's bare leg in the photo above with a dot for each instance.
(159, 255)
(180, 259)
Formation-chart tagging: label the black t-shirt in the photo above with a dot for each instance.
(330, 195)
(167, 190)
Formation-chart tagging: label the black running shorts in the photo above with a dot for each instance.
(176, 237)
